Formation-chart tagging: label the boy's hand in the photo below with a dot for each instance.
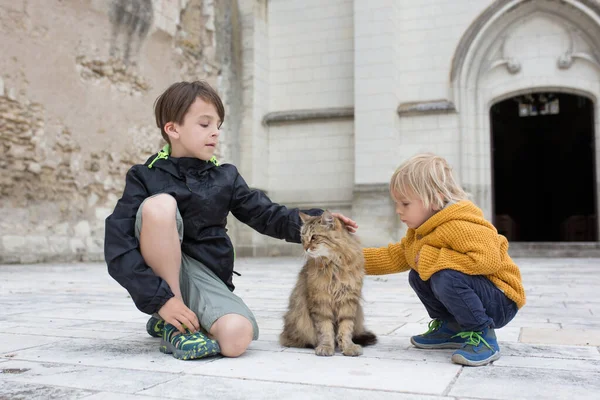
(176, 313)
(350, 225)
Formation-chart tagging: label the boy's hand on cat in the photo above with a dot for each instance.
(176, 313)
(350, 224)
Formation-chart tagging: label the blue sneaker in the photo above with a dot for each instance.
(440, 335)
(481, 348)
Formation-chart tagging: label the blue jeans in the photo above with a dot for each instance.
(472, 301)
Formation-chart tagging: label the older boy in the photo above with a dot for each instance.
(166, 240)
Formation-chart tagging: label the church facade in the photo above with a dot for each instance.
(324, 99)
(339, 93)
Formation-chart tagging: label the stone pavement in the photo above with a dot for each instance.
(70, 331)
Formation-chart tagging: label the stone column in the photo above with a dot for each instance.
(253, 137)
(375, 119)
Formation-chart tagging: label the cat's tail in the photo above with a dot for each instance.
(365, 338)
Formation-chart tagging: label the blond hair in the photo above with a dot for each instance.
(430, 178)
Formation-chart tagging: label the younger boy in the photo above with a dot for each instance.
(166, 240)
(459, 264)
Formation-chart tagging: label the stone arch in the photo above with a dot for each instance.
(496, 59)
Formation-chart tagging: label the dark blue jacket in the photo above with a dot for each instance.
(205, 194)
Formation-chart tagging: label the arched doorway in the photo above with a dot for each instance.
(543, 168)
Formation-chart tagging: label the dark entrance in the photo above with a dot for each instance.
(544, 168)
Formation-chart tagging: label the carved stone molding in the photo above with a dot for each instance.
(513, 66)
(566, 59)
(482, 20)
(426, 108)
(308, 115)
(371, 188)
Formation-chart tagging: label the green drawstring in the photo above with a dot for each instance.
(166, 151)
(163, 154)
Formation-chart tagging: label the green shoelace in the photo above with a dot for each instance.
(473, 338)
(433, 326)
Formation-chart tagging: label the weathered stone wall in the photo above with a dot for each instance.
(77, 83)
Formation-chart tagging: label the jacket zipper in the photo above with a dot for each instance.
(186, 184)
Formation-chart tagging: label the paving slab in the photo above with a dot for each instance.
(10, 342)
(17, 390)
(70, 331)
(82, 377)
(206, 387)
(508, 383)
(356, 373)
(587, 337)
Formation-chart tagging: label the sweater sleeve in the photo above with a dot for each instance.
(385, 260)
(473, 250)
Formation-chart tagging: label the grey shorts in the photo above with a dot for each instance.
(203, 292)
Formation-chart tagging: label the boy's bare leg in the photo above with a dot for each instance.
(234, 334)
(160, 247)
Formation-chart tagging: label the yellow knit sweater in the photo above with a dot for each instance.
(458, 237)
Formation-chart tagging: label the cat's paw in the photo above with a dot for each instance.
(352, 350)
(324, 350)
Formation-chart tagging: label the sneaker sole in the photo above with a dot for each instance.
(460, 359)
(168, 348)
(447, 345)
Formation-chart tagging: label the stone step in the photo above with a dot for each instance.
(554, 249)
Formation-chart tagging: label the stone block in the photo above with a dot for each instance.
(373, 206)
(94, 245)
(82, 229)
(12, 244)
(102, 213)
(77, 245)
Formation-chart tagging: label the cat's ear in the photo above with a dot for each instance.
(327, 219)
(304, 217)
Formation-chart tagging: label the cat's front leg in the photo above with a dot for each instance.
(325, 333)
(345, 322)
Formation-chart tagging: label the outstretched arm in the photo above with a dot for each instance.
(386, 260)
(255, 209)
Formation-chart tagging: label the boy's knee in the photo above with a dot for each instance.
(159, 207)
(443, 281)
(234, 333)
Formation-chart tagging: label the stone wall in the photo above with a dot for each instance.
(77, 83)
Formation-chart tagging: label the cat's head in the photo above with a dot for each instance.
(325, 236)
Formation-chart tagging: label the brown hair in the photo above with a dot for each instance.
(174, 103)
